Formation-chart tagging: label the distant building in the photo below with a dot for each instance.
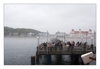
(60, 34)
(81, 33)
(15, 34)
(30, 34)
(43, 34)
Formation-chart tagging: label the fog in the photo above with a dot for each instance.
(51, 17)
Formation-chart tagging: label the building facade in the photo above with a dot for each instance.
(81, 33)
(60, 34)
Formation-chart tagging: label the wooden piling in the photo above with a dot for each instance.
(81, 61)
(48, 49)
(32, 60)
(75, 59)
(37, 49)
(59, 59)
(37, 58)
(48, 59)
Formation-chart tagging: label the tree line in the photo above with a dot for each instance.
(19, 31)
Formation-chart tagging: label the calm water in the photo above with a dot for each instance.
(17, 51)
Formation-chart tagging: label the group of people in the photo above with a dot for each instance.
(79, 43)
(53, 46)
(58, 45)
(62, 45)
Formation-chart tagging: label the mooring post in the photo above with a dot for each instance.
(59, 59)
(48, 59)
(95, 49)
(37, 58)
(32, 60)
(48, 50)
(37, 49)
(81, 61)
(72, 59)
(75, 59)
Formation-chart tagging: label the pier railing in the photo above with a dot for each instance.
(64, 50)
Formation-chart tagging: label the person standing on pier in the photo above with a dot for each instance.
(72, 45)
(56, 45)
(53, 45)
(69, 45)
(85, 46)
(92, 47)
(65, 46)
(61, 46)
(77, 44)
(80, 44)
(45, 45)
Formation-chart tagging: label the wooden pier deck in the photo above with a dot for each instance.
(76, 52)
(64, 51)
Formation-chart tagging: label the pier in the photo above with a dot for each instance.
(75, 53)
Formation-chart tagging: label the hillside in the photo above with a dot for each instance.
(19, 31)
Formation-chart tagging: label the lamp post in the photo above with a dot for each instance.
(56, 35)
(81, 39)
(41, 40)
(94, 38)
(38, 40)
(84, 38)
(64, 37)
(91, 40)
(86, 35)
(47, 36)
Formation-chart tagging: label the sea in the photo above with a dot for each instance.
(18, 50)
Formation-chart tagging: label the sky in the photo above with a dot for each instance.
(51, 17)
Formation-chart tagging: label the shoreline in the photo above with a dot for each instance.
(48, 37)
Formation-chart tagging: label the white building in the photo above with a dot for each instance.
(30, 34)
(80, 33)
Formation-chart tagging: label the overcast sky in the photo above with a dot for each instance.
(51, 17)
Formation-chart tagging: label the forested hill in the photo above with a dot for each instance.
(19, 31)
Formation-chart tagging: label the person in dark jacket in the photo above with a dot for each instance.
(45, 45)
(85, 46)
(77, 44)
(69, 46)
(72, 45)
(92, 46)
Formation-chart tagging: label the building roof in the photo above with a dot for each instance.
(90, 30)
(72, 29)
(76, 32)
(82, 32)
